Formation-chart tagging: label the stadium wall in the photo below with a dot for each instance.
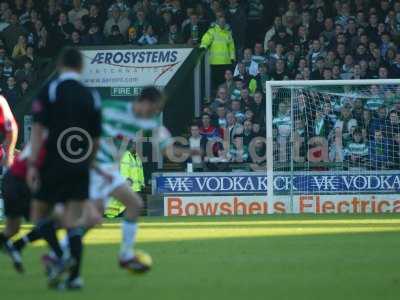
(213, 194)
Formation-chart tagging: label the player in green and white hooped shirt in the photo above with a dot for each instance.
(123, 121)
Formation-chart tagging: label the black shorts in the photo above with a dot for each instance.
(59, 187)
(16, 196)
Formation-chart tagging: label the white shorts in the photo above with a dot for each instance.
(102, 186)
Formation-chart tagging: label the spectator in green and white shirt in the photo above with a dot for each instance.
(346, 124)
(322, 126)
(259, 54)
(328, 112)
(282, 120)
(254, 17)
(376, 100)
(236, 109)
(236, 93)
(356, 152)
(238, 152)
(282, 123)
(250, 65)
(374, 103)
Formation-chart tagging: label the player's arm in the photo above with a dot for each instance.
(170, 149)
(32, 175)
(11, 132)
(166, 142)
(37, 133)
(10, 141)
(40, 123)
(180, 151)
(39, 130)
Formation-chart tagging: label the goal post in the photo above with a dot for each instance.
(325, 133)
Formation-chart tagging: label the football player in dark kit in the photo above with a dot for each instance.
(70, 114)
(17, 198)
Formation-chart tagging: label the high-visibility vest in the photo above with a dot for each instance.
(220, 43)
(131, 167)
(114, 209)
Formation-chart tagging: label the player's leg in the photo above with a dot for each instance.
(16, 198)
(91, 217)
(32, 235)
(75, 231)
(47, 228)
(77, 191)
(134, 205)
(28, 238)
(45, 225)
(12, 226)
(23, 196)
(108, 183)
(128, 258)
(12, 208)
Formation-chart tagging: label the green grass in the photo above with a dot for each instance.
(260, 257)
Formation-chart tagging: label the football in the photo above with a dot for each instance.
(144, 258)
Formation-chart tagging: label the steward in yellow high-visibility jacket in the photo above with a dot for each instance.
(218, 39)
(131, 168)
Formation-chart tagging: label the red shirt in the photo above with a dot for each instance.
(19, 167)
(210, 132)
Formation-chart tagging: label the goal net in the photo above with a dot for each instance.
(335, 145)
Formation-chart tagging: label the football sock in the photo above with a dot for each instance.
(129, 230)
(76, 249)
(32, 236)
(65, 241)
(46, 228)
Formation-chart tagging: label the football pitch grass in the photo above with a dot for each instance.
(259, 257)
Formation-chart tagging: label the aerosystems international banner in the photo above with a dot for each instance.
(284, 183)
(252, 205)
(125, 71)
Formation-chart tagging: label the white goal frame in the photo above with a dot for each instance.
(291, 84)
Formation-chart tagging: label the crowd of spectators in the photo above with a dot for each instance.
(265, 40)
(352, 128)
(315, 40)
(33, 30)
